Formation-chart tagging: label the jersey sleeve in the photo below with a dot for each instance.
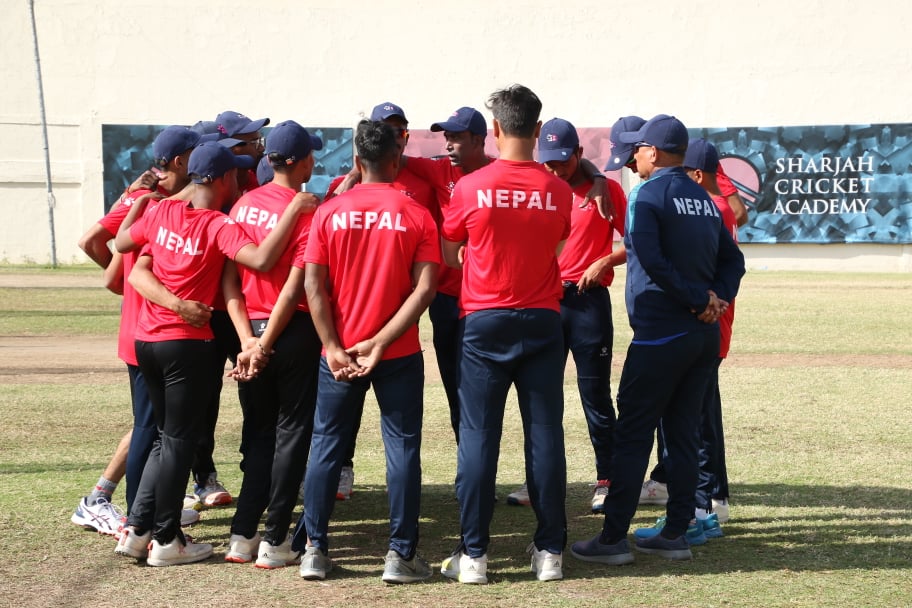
(332, 187)
(429, 243)
(316, 252)
(454, 220)
(230, 237)
(726, 187)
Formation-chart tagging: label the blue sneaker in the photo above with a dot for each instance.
(694, 536)
(677, 548)
(711, 527)
(592, 550)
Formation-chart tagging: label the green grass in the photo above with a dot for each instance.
(817, 400)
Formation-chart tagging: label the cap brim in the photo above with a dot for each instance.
(620, 157)
(453, 127)
(253, 126)
(316, 143)
(555, 154)
(632, 137)
(207, 137)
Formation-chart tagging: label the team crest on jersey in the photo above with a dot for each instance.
(228, 220)
(450, 186)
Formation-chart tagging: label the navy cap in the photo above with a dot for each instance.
(208, 129)
(211, 161)
(662, 131)
(172, 142)
(387, 109)
(621, 153)
(463, 119)
(264, 171)
(558, 141)
(234, 123)
(701, 155)
(291, 141)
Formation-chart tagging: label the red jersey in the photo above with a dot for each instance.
(188, 248)
(132, 301)
(725, 185)
(591, 236)
(369, 238)
(257, 213)
(728, 319)
(442, 175)
(512, 215)
(409, 184)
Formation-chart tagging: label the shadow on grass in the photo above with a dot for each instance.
(829, 528)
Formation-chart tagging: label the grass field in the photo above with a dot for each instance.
(818, 403)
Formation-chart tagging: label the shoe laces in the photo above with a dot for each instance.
(110, 509)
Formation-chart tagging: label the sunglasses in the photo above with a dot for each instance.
(261, 141)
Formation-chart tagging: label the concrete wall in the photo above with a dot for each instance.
(771, 62)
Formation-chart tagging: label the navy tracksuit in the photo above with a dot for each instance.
(677, 250)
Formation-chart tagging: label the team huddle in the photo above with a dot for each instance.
(220, 255)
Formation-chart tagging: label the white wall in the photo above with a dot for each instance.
(771, 62)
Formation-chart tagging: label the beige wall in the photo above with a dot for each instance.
(715, 63)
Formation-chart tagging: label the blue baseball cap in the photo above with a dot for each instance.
(264, 171)
(211, 161)
(621, 152)
(172, 142)
(463, 119)
(386, 110)
(701, 155)
(234, 123)
(209, 131)
(291, 141)
(557, 141)
(662, 131)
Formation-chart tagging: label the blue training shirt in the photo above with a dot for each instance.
(677, 249)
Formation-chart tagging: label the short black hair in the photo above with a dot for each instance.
(517, 109)
(376, 143)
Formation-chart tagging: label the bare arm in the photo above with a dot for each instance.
(235, 304)
(368, 353)
(123, 241)
(148, 286)
(451, 252)
(113, 274)
(738, 207)
(263, 257)
(341, 364)
(255, 355)
(599, 191)
(95, 244)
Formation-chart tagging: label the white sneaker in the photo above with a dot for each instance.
(653, 493)
(242, 550)
(176, 552)
(519, 497)
(189, 517)
(314, 565)
(272, 556)
(103, 516)
(545, 566)
(213, 493)
(465, 569)
(346, 484)
(598, 496)
(720, 508)
(133, 545)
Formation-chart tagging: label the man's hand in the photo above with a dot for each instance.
(367, 355)
(593, 275)
(194, 313)
(147, 181)
(341, 364)
(353, 178)
(598, 194)
(305, 202)
(715, 308)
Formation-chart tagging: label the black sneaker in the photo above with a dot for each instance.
(676, 548)
(593, 550)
